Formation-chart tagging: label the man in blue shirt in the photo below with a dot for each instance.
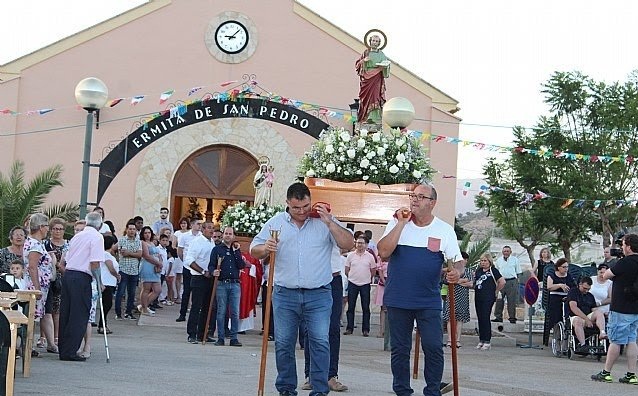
(228, 289)
(302, 277)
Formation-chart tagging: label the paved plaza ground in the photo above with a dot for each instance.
(153, 358)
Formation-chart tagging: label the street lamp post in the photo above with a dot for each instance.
(91, 94)
(354, 112)
(398, 113)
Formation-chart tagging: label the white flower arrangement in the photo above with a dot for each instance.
(248, 220)
(372, 157)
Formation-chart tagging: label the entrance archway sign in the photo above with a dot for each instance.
(202, 111)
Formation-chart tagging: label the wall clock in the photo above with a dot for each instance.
(231, 37)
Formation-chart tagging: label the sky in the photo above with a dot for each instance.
(491, 55)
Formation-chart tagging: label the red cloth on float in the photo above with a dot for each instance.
(249, 286)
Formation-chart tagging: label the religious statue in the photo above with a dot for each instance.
(263, 182)
(373, 68)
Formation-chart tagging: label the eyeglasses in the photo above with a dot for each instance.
(163, 212)
(420, 197)
(300, 208)
(57, 229)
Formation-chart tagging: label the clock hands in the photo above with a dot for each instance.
(233, 35)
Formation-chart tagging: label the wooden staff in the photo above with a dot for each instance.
(210, 302)
(268, 303)
(417, 352)
(450, 299)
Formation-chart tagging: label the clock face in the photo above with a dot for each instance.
(231, 37)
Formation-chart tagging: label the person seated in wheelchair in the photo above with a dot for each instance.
(583, 312)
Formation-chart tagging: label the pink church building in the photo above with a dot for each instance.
(202, 153)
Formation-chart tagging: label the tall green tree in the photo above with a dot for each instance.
(586, 117)
(20, 198)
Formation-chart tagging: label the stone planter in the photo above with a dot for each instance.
(360, 202)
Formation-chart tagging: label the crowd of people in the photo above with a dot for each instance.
(322, 267)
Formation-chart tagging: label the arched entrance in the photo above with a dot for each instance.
(210, 179)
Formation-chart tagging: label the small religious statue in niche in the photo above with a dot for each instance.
(372, 68)
(263, 182)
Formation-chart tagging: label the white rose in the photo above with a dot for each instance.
(400, 157)
(380, 150)
(373, 167)
(330, 149)
(393, 169)
(351, 153)
(416, 174)
(371, 154)
(330, 168)
(310, 173)
(400, 142)
(346, 173)
(365, 177)
(364, 163)
(361, 143)
(376, 137)
(359, 172)
(345, 136)
(342, 158)
(406, 165)
(400, 164)
(363, 132)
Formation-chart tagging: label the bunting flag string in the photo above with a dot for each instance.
(527, 198)
(247, 91)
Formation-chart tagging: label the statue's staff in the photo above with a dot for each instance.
(274, 234)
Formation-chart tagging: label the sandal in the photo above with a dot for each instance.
(458, 344)
(52, 349)
(35, 353)
(42, 343)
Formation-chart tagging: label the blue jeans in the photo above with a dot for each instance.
(128, 283)
(401, 326)
(227, 297)
(334, 334)
(313, 307)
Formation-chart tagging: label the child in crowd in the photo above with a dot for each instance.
(170, 275)
(17, 270)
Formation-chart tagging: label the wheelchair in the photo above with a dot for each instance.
(564, 340)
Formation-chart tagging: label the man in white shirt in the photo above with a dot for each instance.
(196, 259)
(182, 250)
(510, 268)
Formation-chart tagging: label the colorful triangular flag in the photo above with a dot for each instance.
(193, 90)
(114, 102)
(165, 95)
(137, 99)
(567, 202)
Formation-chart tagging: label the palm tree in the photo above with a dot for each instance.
(475, 251)
(20, 198)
